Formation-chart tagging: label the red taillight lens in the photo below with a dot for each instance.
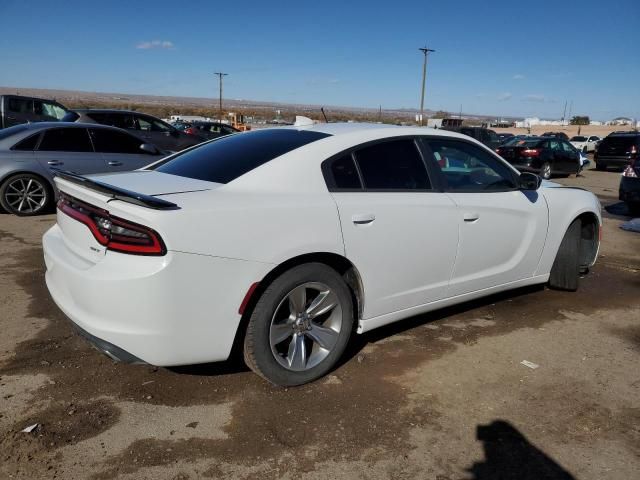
(634, 150)
(498, 151)
(112, 232)
(190, 131)
(530, 152)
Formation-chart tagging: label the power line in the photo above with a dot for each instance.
(220, 75)
(426, 52)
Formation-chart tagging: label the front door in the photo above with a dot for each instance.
(400, 233)
(502, 229)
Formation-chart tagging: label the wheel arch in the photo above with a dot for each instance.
(590, 233)
(339, 263)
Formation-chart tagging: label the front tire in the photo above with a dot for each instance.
(566, 267)
(25, 194)
(300, 326)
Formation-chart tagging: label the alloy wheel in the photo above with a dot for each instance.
(305, 326)
(25, 195)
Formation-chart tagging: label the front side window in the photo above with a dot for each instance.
(111, 141)
(66, 140)
(567, 147)
(151, 125)
(469, 168)
(394, 165)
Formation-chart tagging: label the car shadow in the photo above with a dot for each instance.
(510, 456)
(617, 211)
(358, 342)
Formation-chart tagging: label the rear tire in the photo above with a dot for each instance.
(566, 267)
(600, 166)
(289, 341)
(25, 194)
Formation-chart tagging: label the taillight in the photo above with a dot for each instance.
(498, 151)
(634, 150)
(190, 131)
(530, 152)
(112, 232)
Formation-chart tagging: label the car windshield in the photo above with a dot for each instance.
(522, 142)
(579, 139)
(7, 132)
(229, 157)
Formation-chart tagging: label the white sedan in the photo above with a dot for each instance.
(585, 143)
(287, 241)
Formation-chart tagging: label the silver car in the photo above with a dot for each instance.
(30, 152)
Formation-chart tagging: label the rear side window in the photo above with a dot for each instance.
(66, 140)
(111, 141)
(20, 105)
(28, 144)
(229, 157)
(395, 165)
(344, 173)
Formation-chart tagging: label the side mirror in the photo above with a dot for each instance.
(149, 148)
(529, 181)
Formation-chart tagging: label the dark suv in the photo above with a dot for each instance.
(16, 109)
(149, 128)
(618, 149)
(483, 135)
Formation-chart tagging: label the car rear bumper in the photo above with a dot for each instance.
(613, 161)
(629, 190)
(177, 309)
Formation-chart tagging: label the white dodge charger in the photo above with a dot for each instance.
(286, 241)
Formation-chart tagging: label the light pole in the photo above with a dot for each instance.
(426, 52)
(220, 75)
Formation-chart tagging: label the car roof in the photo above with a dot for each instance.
(374, 130)
(108, 110)
(35, 127)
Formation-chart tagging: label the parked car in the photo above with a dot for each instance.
(284, 239)
(210, 130)
(629, 191)
(483, 135)
(147, 127)
(505, 137)
(561, 135)
(585, 143)
(28, 152)
(618, 149)
(17, 109)
(546, 156)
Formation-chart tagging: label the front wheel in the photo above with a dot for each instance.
(300, 326)
(566, 267)
(25, 194)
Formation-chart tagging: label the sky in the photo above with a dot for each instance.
(511, 58)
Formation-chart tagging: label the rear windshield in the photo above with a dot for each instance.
(227, 158)
(7, 132)
(618, 143)
(579, 139)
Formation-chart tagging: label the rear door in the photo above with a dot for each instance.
(502, 230)
(120, 150)
(69, 149)
(398, 230)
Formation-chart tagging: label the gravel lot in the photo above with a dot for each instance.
(440, 396)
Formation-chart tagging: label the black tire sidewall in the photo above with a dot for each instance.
(26, 176)
(543, 168)
(260, 321)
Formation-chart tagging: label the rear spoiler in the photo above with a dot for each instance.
(117, 193)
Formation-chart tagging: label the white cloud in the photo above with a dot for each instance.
(534, 98)
(165, 44)
(519, 76)
(503, 97)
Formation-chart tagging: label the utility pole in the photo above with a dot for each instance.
(570, 108)
(564, 112)
(220, 75)
(426, 52)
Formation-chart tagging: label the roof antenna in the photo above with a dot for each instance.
(324, 115)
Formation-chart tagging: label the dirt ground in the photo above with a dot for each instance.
(440, 396)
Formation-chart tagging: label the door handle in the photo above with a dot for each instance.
(363, 218)
(114, 163)
(54, 163)
(471, 216)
